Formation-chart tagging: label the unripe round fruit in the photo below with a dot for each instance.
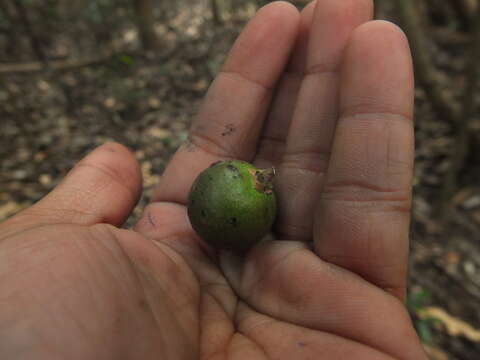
(232, 205)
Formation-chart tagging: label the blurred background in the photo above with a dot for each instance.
(77, 73)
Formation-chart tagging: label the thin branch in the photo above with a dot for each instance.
(4, 8)
(466, 10)
(443, 102)
(146, 24)
(216, 13)
(12, 47)
(27, 25)
(463, 136)
(53, 65)
(380, 9)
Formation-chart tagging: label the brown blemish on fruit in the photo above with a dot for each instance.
(232, 168)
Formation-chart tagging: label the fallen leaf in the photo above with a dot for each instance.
(453, 325)
(452, 258)
(43, 85)
(110, 102)
(159, 133)
(471, 202)
(154, 102)
(10, 208)
(435, 353)
(148, 178)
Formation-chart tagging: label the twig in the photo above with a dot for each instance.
(443, 102)
(216, 13)
(34, 41)
(12, 28)
(381, 9)
(466, 10)
(463, 136)
(446, 37)
(53, 65)
(146, 24)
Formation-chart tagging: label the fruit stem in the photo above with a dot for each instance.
(264, 180)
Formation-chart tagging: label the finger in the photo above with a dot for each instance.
(363, 216)
(102, 188)
(272, 141)
(311, 131)
(231, 117)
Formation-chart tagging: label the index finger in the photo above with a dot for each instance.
(231, 117)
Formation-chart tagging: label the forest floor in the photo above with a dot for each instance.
(50, 119)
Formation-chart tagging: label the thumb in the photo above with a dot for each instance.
(102, 188)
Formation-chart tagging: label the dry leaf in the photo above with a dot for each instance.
(154, 103)
(475, 215)
(453, 325)
(452, 258)
(43, 85)
(159, 133)
(45, 179)
(10, 208)
(110, 102)
(462, 195)
(435, 353)
(148, 178)
(471, 202)
(140, 154)
(201, 85)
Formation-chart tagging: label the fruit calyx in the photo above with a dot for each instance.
(263, 179)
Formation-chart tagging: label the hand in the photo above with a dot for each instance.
(335, 118)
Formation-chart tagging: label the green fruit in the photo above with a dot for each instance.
(232, 205)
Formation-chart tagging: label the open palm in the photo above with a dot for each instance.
(326, 98)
